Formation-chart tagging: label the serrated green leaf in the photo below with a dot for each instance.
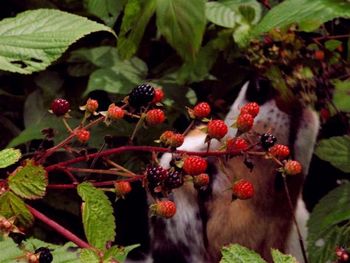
(308, 14)
(279, 257)
(98, 219)
(12, 205)
(182, 23)
(89, 256)
(9, 251)
(335, 150)
(34, 39)
(118, 253)
(9, 157)
(329, 224)
(220, 14)
(341, 97)
(238, 254)
(332, 44)
(29, 181)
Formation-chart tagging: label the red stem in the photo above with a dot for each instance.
(137, 149)
(58, 228)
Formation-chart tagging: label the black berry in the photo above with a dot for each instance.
(174, 179)
(267, 140)
(141, 95)
(60, 107)
(156, 175)
(45, 255)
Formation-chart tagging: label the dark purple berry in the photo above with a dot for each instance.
(60, 107)
(141, 95)
(174, 179)
(267, 140)
(156, 175)
(45, 255)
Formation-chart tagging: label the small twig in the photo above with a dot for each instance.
(189, 128)
(119, 167)
(96, 171)
(138, 126)
(67, 125)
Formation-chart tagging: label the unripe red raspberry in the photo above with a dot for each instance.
(201, 180)
(176, 140)
(319, 55)
(243, 189)
(236, 144)
(217, 129)
(158, 95)
(154, 117)
(60, 107)
(166, 209)
(122, 188)
(245, 122)
(292, 167)
(201, 110)
(279, 151)
(251, 108)
(194, 165)
(166, 136)
(82, 135)
(114, 112)
(91, 105)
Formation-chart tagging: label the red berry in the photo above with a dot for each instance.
(176, 140)
(114, 112)
(154, 117)
(201, 110)
(243, 189)
(292, 167)
(60, 107)
(82, 135)
(122, 188)
(166, 209)
(91, 105)
(166, 137)
(158, 95)
(217, 129)
(325, 114)
(194, 165)
(279, 151)
(319, 55)
(201, 180)
(236, 144)
(245, 122)
(251, 108)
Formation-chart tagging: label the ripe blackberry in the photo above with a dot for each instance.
(45, 255)
(267, 140)
(60, 107)
(141, 95)
(174, 179)
(156, 175)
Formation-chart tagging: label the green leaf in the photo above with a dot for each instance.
(12, 205)
(335, 150)
(249, 10)
(279, 257)
(220, 14)
(309, 15)
(29, 181)
(118, 253)
(34, 39)
(9, 251)
(107, 10)
(238, 254)
(136, 17)
(328, 224)
(182, 23)
(341, 97)
(98, 219)
(9, 157)
(332, 44)
(90, 256)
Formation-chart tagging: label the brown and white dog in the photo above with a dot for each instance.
(205, 221)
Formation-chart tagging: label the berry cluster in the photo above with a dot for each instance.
(342, 255)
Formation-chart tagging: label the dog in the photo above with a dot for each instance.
(207, 220)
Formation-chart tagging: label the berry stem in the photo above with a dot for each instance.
(96, 171)
(301, 242)
(138, 126)
(64, 120)
(58, 228)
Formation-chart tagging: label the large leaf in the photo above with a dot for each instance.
(29, 181)
(9, 157)
(34, 39)
(328, 223)
(9, 251)
(182, 23)
(279, 257)
(335, 150)
(239, 254)
(341, 97)
(98, 219)
(308, 14)
(12, 205)
(220, 14)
